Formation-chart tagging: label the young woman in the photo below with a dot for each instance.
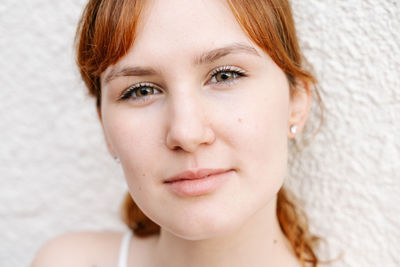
(198, 100)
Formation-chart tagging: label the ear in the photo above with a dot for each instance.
(106, 139)
(300, 105)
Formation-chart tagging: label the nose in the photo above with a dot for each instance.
(188, 124)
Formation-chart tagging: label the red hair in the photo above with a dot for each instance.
(107, 30)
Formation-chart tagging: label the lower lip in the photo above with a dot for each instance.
(201, 186)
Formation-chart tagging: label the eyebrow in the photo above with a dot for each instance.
(207, 57)
(215, 54)
(128, 71)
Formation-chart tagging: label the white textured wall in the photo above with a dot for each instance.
(56, 176)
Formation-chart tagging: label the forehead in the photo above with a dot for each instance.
(171, 28)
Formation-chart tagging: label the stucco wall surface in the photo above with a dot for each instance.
(56, 175)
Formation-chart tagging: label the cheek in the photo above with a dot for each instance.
(260, 123)
(136, 142)
(269, 134)
(260, 140)
(264, 140)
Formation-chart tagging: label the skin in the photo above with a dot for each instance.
(195, 120)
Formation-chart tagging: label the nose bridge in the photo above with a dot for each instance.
(188, 124)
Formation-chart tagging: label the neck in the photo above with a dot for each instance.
(258, 242)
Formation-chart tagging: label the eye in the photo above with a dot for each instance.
(140, 91)
(226, 74)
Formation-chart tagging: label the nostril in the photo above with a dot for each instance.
(188, 135)
(176, 148)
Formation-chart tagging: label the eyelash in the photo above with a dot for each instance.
(236, 71)
(128, 93)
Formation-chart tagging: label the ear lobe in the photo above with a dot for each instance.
(300, 105)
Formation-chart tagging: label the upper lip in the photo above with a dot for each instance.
(195, 174)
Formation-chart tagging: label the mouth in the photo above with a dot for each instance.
(195, 174)
(198, 182)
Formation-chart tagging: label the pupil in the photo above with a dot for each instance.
(224, 75)
(145, 91)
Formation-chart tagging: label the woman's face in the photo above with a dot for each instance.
(194, 96)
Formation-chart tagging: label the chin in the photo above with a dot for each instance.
(203, 228)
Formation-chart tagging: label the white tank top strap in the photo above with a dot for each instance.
(124, 250)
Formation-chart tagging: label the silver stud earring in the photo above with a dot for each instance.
(293, 129)
(117, 159)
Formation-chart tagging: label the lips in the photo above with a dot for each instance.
(195, 174)
(193, 183)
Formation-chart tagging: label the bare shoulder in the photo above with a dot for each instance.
(98, 249)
